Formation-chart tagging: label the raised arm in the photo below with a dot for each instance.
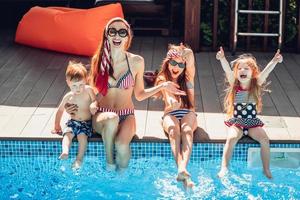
(139, 90)
(225, 65)
(189, 58)
(270, 66)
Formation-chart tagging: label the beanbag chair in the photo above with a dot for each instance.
(69, 30)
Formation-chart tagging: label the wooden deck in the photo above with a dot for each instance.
(32, 84)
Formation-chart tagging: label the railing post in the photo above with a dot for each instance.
(231, 33)
(266, 23)
(192, 24)
(215, 24)
(298, 27)
(249, 23)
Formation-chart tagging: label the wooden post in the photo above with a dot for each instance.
(266, 22)
(215, 24)
(192, 24)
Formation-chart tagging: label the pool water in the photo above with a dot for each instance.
(42, 177)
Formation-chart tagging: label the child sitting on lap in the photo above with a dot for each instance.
(80, 124)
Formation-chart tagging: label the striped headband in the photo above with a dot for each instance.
(174, 53)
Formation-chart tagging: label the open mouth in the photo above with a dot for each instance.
(243, 76)
(175, 72)
(117, 42)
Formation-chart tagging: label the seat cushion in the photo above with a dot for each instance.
(69, 30)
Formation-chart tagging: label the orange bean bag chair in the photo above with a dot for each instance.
(69, 30)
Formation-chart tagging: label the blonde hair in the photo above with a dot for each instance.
(76, 71)
(255, 89)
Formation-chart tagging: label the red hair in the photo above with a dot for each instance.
(76, 71)
(255, 88)
(95, 71)
(165, 75)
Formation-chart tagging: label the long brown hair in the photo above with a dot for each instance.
(255, 89)
(96, 59)
(165, 75)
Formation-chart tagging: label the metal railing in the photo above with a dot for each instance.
(264, 12)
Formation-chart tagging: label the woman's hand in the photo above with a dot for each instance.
(277, 57)
(220, 54)
(172, 87)
(71, 108)
(94, 108)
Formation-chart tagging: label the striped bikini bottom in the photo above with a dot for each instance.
(123, 113)
(179, 114)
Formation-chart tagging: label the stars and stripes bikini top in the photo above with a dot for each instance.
(125, 81)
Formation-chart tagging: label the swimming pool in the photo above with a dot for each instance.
(31, 170)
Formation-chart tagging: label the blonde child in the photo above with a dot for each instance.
(80, 124)
(242, 102)
(179, 120)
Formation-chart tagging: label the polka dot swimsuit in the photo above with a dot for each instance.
(244, 114)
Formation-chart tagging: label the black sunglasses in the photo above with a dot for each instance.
(180, 64)
(112, 32)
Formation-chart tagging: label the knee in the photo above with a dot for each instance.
(232, 139)
(187, 130)
(174, 132)
(112, 123)
(264, 141)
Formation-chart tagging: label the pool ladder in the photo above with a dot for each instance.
(264, 12)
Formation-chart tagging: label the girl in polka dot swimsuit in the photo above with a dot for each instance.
(242, 102)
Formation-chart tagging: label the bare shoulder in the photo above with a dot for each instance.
(136, 61)
(89, 88)
(161, 78)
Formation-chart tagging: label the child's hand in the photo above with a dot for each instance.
(57, 130)
(71, 108)
(278, 57)
(94, 108)
(220, 54)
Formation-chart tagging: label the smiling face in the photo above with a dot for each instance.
(244, 72)
(76, 86)
(176, 66)
(118, 35)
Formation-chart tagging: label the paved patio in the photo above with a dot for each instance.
(32, 84)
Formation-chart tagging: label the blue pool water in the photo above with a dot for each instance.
(46, 177)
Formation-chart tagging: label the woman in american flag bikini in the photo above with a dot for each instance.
(115, 75)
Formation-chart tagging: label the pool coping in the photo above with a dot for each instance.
(244, 140)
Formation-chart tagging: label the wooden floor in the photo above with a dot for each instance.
(32, 84)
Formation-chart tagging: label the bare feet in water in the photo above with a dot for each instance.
(186, 178)
(188, 183)
(76, 164)
(63, 156)
(268, 174)
(222, 172)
